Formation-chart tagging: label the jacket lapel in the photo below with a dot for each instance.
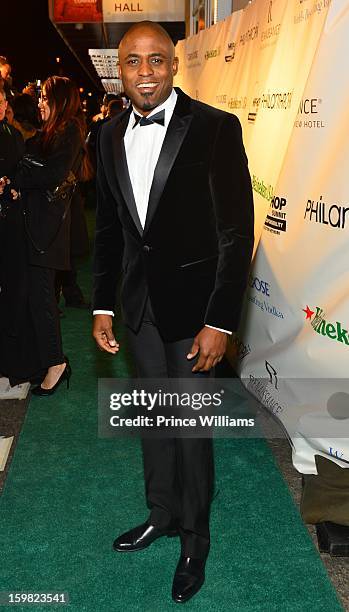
(121, 170)
(176, 132)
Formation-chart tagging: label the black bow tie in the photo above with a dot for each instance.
(157, 118)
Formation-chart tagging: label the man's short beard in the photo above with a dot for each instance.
(147, 106)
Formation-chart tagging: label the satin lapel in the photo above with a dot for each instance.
(176, 132)
(122, 173)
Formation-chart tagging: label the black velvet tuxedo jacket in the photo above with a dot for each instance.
(193, 256)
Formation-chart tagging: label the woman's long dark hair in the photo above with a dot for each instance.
(65, 107)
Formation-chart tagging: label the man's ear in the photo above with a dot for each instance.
(175, 66)
(118, 71)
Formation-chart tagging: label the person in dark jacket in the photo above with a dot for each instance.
(11, 151)
(11, 142)
(31, 343)
(95, 126)
(174, 221)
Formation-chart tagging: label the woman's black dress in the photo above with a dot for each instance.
(36, 243)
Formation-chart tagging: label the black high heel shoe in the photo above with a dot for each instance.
(65, 376)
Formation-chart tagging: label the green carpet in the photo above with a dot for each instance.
(69, 494)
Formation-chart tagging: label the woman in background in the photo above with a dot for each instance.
(31, 342)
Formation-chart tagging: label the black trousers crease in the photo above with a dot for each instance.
(178, 472)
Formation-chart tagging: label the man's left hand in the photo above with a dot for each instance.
(210, 344)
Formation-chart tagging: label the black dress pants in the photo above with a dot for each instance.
(178, 472)
(44, 316)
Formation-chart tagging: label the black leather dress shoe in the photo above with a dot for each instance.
(140, 537)
(188, 579)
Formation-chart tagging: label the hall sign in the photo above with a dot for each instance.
(155, 10)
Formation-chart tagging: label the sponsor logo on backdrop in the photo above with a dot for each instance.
(273, 377)
(221, 99)
(270, 19)
(258, 185)
(307, 114)
(276, 100)
(333, 215)
(252, 115)
(254, 103)
(331, 330)
(275, 221)
(237, 103)
(211, 53)
(338, 454)
(259, 294)
(270, 101)
(264, 390)
(193, 59)
(313, 7)
(250, 34)
(246, 37)
(230, 52)
(260, 285)
(270, 34)
(242, 349)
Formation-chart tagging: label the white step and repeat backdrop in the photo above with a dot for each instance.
(280, 66)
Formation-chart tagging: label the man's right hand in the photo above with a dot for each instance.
(103, 333)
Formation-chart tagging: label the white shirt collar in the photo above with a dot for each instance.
(168, 106)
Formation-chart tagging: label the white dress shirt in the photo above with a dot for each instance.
(142, 146)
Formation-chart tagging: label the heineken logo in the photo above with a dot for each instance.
(333, 330)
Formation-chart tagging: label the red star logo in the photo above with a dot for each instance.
(308, 312)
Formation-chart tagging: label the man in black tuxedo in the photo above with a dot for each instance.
(175, 218)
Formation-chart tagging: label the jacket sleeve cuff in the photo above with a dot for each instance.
(219, 329)
(107, 312)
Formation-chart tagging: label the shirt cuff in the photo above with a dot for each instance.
(107, 312)
(225, 331)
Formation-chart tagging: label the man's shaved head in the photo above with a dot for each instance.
(151, 26)
(147, 65)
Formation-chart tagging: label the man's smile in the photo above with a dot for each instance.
(147, 86)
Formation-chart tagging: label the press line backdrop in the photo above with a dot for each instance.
(279, 65)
